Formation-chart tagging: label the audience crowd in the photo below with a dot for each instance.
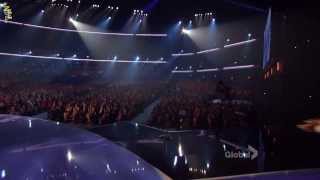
(78, 104)
(182, 104)
(201, 105)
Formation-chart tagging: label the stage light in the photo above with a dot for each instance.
(42, 11)
(213, 20)
(74, 56)
(175, 161)
(77, 15)
(161, 59)
(71, 20)
(30, 52)
(140, 20)
(109, 18)
(69, 156)
(3, 173)
(249, 35)
(180, 22)
(186, 31)
(190, 22)
(137, 58)
(115, 58)
(117, 8)
(57, 54)
(228, 40)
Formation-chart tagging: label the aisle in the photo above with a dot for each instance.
(143, 117)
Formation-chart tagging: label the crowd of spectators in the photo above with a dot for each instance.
(202, 105)
(183, 104)
(87, 104)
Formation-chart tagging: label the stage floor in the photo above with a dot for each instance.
(32, 148)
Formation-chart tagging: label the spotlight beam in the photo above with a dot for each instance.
(186, 31)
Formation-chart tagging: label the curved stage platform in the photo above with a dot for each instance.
(32, 148)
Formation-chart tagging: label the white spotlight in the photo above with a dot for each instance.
(186, 31)
(42, 11)
(115, 58)
(180, 22)
(249, 35)
(71, 20)
(137, 58)
(74, 56)
(69, 156)
(1, 5)
(30, 52)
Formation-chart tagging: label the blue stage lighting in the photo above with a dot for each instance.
(137, 58)
(42, 11)
(180, 22)
(115, 58)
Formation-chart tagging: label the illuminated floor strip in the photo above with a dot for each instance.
(215, 69)
(208, 51)
(239, 67)
(183, 54)
(240, 43)
(207, 70)
(77, 59)
(79, 31)
(214, 49)
(181, 71)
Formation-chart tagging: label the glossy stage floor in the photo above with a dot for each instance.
(31, 148)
